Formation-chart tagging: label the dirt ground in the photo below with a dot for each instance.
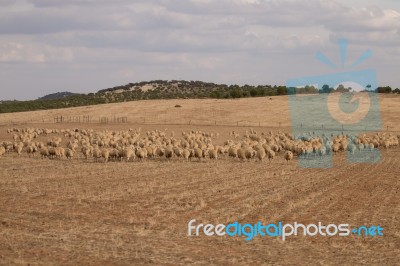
(60, 212)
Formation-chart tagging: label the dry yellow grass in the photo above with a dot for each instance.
(78, 212)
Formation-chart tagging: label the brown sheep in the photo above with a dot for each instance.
(169, 153)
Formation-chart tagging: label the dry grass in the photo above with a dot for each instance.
(78, 212)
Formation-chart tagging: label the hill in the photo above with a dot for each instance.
(151, 90)
(57, 95)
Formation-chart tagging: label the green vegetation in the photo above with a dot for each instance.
(160, 89)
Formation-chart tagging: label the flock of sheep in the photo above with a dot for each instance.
(131, 145)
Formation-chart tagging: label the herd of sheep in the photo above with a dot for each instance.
(134, 145)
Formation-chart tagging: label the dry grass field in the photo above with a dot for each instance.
(78, 212)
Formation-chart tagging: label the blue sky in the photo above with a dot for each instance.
(86, 45)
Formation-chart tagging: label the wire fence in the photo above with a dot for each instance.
(163, 120)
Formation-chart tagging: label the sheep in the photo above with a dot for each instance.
(86, 152)
(186, 154)
(250, 153)
(322, 151)
(31, 150)
(19, 149)
(261, 154)
(343, 145)
(241, 153)
(361, 147)
(220, 150)
(386, 144)
(69, 153)
(52, 152)
(351, 148)
(213, 154)
(72, 146)
(44, 153)
(2, 151)
(371, 147)
(60, 152)
(198, 153)
(141, 153)
(115, 154)
(151, 151)
(288, 156)
(105, 154)
(178, 152)
(233, 152)
(271, 155)
(169, 153)
(128, 153)
(160, 152)
(335, 147)
(97, 154)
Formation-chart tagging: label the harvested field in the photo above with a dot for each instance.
(69, 212)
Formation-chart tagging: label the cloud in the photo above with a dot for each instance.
(14, 52)
(222, 41)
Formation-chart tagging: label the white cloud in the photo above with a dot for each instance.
(14, 52)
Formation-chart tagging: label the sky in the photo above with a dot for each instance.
(83, 46)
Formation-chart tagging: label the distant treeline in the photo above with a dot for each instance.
(166, 90)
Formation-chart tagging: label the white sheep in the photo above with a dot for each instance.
(198, 153)
(336, 147)
(288, 156)
(186, 154)
(271, 155)
(128, 153)
(105, 154)
(261, 154)
(19, 149)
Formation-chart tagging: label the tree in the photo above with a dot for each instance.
(281, 90)
(253, 92)
(386, 89)
(236, 92)
(326, 89)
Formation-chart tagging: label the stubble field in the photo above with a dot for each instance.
(70, 212)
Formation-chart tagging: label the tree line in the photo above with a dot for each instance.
(170, 90)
